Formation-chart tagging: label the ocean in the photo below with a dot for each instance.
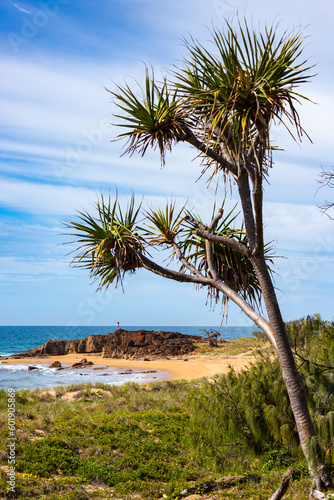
(17, 339)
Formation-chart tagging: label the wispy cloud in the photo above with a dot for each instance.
(28, 268)
(22, 9)
(55, 157)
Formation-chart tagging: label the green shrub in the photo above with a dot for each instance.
(47, 456)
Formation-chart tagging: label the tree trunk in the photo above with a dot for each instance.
(283, 487)
(320, 476)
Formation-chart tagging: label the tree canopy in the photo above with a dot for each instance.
(222, 101)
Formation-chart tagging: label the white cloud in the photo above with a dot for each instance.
(26, 269)
(44, 198)
(51, 102)
(22, 9)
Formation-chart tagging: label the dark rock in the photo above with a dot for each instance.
(144, 343)
(31, 368)
(121, 344)
(94, 343)
(81, 363)
(55, 364)
(85, 362)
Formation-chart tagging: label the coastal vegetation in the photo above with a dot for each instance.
(223, 102)
(161, 439)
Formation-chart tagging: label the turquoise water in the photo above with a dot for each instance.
(17, 339)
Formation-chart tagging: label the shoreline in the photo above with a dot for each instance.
(185, 368)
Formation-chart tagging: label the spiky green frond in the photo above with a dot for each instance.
(250, 81)
(108, 243)
(156, 118)
(165, 224)
(234, 268)
(111, 243)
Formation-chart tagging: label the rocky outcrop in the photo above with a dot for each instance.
(92, 344)
(143, 343)
(121, 344)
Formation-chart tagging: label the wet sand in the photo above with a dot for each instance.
(188, 368)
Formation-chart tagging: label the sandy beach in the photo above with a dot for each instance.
(188, 368)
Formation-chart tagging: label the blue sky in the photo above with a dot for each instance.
(56, 56)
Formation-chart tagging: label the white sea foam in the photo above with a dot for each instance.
(17, 376)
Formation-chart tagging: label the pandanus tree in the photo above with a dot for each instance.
(222, 102)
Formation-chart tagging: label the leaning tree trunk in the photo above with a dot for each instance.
(320, 476)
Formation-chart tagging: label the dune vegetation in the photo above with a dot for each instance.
(230, 436)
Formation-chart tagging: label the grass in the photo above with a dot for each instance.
(245, 345)
(121, 442)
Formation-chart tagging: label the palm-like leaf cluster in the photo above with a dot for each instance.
(156, 118)
(233, 267)
(109, 243)
(112, 244)
(169, 226)
(223, 104)
(251, 80)
(228, 99)
(165, 224)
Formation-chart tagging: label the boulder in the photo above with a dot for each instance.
(55, 364)
(95, 343)
(81, 363)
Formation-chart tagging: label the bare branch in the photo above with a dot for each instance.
(201, 146)
(223, 240)
(216, 219)
(326, 180)
(209, 258)
(205, 232)
(283, 487)
(258, 212)
(148, 264)
(246, 308)
(214, 283)
(186, 263)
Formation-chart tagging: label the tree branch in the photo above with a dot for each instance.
(216, 219)
(148, 264)
(186, 263)
(223, 240)
(282, 489)
(201, 146)
(305, 360)
(246, 308)
(206, 233)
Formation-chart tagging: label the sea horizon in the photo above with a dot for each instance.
(18, 339)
